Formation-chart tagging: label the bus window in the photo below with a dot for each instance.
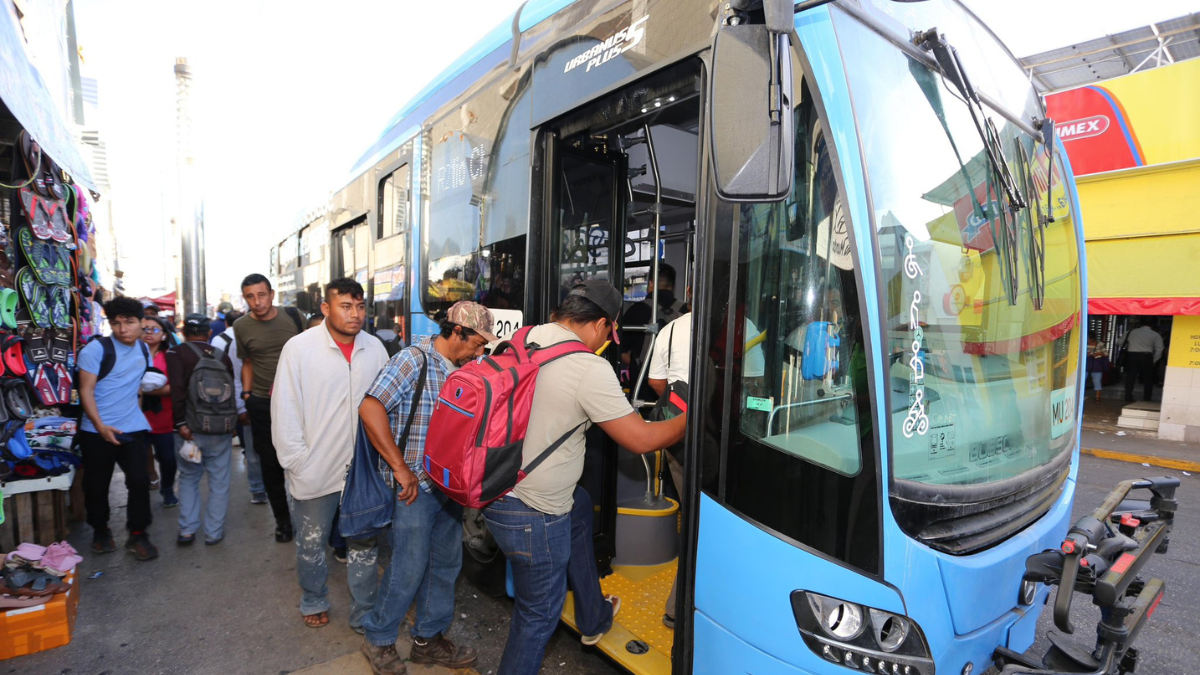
(389, 277)
(477, 185)
(394, 203)
(800, 437)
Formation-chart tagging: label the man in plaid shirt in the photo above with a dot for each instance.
(426, 533)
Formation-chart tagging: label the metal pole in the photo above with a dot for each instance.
(191, 215)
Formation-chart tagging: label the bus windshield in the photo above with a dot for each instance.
(981, 299)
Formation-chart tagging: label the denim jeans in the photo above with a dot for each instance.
(314, 518)
(164, 452)
(216, 451)
(426, 549)
(546, 551)
(253, 464)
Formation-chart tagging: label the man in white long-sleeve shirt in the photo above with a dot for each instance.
(321, 379)
(1144, 347)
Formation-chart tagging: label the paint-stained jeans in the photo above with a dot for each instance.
(313, 519)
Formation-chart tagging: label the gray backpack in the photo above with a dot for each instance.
(211, 408)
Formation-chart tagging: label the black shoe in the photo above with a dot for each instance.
(102, 541)
(283, 535)
(439, 651)
(258, 498)
(141, 548)
(185, 539)
(339, 554)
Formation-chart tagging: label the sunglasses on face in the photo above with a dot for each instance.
(152, 331)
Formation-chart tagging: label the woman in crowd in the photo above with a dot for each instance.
(156, 404)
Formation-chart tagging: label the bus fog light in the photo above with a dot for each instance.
(890, 630)
(840, 619)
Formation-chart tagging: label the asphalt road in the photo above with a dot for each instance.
(232, 608)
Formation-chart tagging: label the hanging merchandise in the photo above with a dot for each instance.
(47, 312)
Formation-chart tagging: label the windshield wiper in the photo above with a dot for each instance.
(951, 69)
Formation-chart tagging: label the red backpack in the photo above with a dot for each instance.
(473, 446)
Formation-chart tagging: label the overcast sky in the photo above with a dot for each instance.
(288, 94)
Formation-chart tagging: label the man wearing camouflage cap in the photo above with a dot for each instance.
(426, 532)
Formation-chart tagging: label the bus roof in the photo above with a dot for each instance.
(492, 49)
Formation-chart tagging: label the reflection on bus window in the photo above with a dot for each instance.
(982, 301)
(476, 181)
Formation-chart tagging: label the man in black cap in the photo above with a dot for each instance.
(209, 424)
(548, 507)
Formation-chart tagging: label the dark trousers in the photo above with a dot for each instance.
(164, 452)
(1139, 366)
(259, 410)
(99, 457)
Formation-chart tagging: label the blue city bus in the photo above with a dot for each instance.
(877, 234)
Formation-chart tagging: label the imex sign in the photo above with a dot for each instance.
(1141, 119)
(1084, 128)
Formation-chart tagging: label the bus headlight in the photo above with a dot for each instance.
(864, 638)
(890, 630)
(840, 619)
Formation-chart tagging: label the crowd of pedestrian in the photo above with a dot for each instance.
(296, 391)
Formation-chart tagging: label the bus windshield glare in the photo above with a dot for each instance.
(981, 301)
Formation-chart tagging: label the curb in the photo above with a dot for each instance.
(1177, 464)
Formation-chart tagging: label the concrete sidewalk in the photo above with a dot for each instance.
(1137, 449)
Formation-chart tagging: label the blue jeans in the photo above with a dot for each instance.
(313, 520)
(216, 451)
(426, 546)
(253, 465)
(546, 553)
(164, 452)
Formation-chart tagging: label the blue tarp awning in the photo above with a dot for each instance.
(25, 94)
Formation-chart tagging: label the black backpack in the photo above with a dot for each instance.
(211, 407)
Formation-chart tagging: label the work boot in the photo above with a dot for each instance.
(439, 651)
(141, 548)
(283, 534)
(102, 541)
(384, 660)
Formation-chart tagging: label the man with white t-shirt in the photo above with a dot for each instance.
(670, 362)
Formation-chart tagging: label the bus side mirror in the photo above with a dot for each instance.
(750, 114)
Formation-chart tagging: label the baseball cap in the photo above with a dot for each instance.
(474, 316)
(599, 291)
(225, 307)
(196, 321)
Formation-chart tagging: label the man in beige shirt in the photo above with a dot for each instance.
(544, 526)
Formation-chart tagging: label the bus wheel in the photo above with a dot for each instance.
(483, 562)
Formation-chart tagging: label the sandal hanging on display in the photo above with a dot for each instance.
(10, 302)
(60, 228)
(16, 399)
(45, 383)
(36, 297)
(60, 307)
(35, 346)
(59, 343)
(13, 355)
(63, 384)
(36, 213)
(49, 262)
(31, 153)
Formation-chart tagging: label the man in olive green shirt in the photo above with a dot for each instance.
(260, 337)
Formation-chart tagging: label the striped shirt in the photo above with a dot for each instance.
(395, 386)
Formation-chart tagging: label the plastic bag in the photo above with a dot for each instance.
(189, 452)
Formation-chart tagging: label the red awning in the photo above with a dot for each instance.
(165, 302)
(1145, 306)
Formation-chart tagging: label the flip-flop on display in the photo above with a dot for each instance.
(35, 296)
(49, 263)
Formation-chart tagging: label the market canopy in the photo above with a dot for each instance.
(165, 302)
(25, 94)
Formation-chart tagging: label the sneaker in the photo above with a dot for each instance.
(339, 554)
(213, 542)
(258, 498)
(384, 660)
(590, 640)
(439, 651)
(170, 502)
(141, 548)
(283, 535)
(102, 541)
